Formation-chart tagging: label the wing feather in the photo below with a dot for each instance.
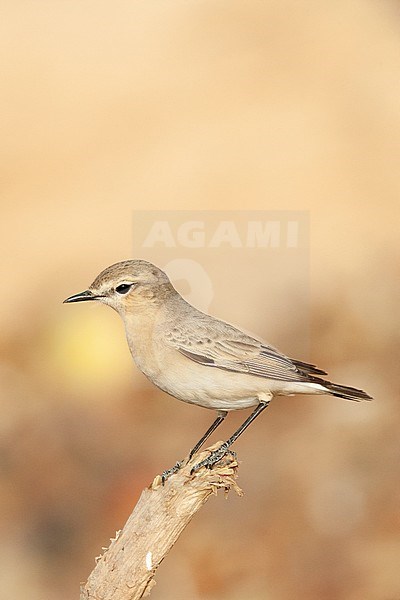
(222, 346)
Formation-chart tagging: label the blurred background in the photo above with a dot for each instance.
(110, 108)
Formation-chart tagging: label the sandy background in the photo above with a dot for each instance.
(109, 108)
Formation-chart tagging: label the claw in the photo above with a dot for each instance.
(167, 473)
(214, 457)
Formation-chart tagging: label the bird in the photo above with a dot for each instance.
(198, 358)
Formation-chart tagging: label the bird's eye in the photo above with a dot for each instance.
(123, 288)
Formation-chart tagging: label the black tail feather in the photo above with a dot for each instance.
(346, 392)
(311, 374)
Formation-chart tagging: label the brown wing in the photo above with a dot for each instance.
(217, 344)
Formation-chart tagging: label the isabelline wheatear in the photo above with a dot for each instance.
(198, 358)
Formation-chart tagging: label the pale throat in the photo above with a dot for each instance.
(139, 327)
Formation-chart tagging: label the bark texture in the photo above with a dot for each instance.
(126, 569)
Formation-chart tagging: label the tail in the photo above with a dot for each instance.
(341, 391)
(346, 392)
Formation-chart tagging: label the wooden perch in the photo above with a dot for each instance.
(126, 569)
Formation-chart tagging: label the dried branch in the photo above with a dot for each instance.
(126, 569)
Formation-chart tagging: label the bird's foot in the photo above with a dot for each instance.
(214, 457)
(172, 471)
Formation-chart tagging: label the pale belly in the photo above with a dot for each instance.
(204, 386)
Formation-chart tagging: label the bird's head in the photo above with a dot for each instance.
(131, 285)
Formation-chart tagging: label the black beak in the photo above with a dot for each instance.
(83, 296)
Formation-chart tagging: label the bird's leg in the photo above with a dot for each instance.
(221, 416)
(216, 455)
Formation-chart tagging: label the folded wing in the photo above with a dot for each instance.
(228, 348)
